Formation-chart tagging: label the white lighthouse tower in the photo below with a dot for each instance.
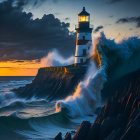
(84, 37)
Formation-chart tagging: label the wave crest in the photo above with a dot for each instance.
(55, 59)
(114, 60)
(120, 58)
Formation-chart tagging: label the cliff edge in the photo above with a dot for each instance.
(53, 82)
(120, 117)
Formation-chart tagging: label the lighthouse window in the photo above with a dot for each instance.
(84, 52)
(83, 37)
(81, 60)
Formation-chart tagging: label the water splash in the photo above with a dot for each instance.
(114, 60)
(55, 59)
(87, 95)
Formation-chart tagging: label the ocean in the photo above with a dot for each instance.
(33, 118)
(41, 119)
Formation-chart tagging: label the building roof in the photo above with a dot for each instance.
(84, 13)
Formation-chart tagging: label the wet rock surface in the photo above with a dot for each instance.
(83, 130)
(53, 84)
(120, 117)
(59, 136)
(68, 136)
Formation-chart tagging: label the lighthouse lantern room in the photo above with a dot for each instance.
(84, 37)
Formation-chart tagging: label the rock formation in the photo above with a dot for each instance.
(120, 118)
(59, 136)
(53, 82)
(83, 130)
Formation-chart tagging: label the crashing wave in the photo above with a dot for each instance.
(55, 59)
(114, 60)
(119, 58)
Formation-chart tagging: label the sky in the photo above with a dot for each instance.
(32, 28)
(104, 13)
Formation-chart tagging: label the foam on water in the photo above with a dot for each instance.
(36, 118)
(87, 95)
(6, 95)
(55, 59)
(116, 60)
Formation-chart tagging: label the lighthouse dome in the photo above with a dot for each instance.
(84, 12)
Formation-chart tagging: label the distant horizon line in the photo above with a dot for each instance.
(17, 76)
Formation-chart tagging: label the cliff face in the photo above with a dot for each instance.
(120, 118)
(53, 82)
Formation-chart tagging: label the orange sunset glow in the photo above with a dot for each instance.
(19, 68)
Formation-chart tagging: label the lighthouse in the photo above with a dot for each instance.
(84, 37)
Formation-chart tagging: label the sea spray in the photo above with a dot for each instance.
(86, 97)
(55, 59)
(118, 58)
(114, 60)
(6, 95)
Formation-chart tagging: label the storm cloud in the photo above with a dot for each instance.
(114, 1)
(25, 38)
(130, 20)
(97, 29)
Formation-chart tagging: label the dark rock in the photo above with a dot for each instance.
(120, 118)
(114, 135)
(131, 133)
(73, 132)
(83, 131)
(107, 108)
(107, 126)
(68, 136)
(115, 108)
(53, 84)
(98, 110)
(59, 136)
(122, 86)
(94, 132)
(133, 129)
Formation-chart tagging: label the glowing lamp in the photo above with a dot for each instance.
(83, 18)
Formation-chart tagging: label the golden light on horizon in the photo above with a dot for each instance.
(19, 68)
(17, 72)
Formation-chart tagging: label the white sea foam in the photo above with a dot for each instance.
(55, 59)
(6, 95)
(87, 95)
(117, 59)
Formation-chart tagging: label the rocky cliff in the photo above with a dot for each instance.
(53, 82)
(120, 118)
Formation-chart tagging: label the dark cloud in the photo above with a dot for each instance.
(19, 61)
(130, 20)
(111, 16)
(130, 29)
(25, 38)
(97, 29)
(114, 1)
(67, 18)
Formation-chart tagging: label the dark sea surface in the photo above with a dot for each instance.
(29, 119)
(36, 118)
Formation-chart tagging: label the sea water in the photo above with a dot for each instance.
(22, 118)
